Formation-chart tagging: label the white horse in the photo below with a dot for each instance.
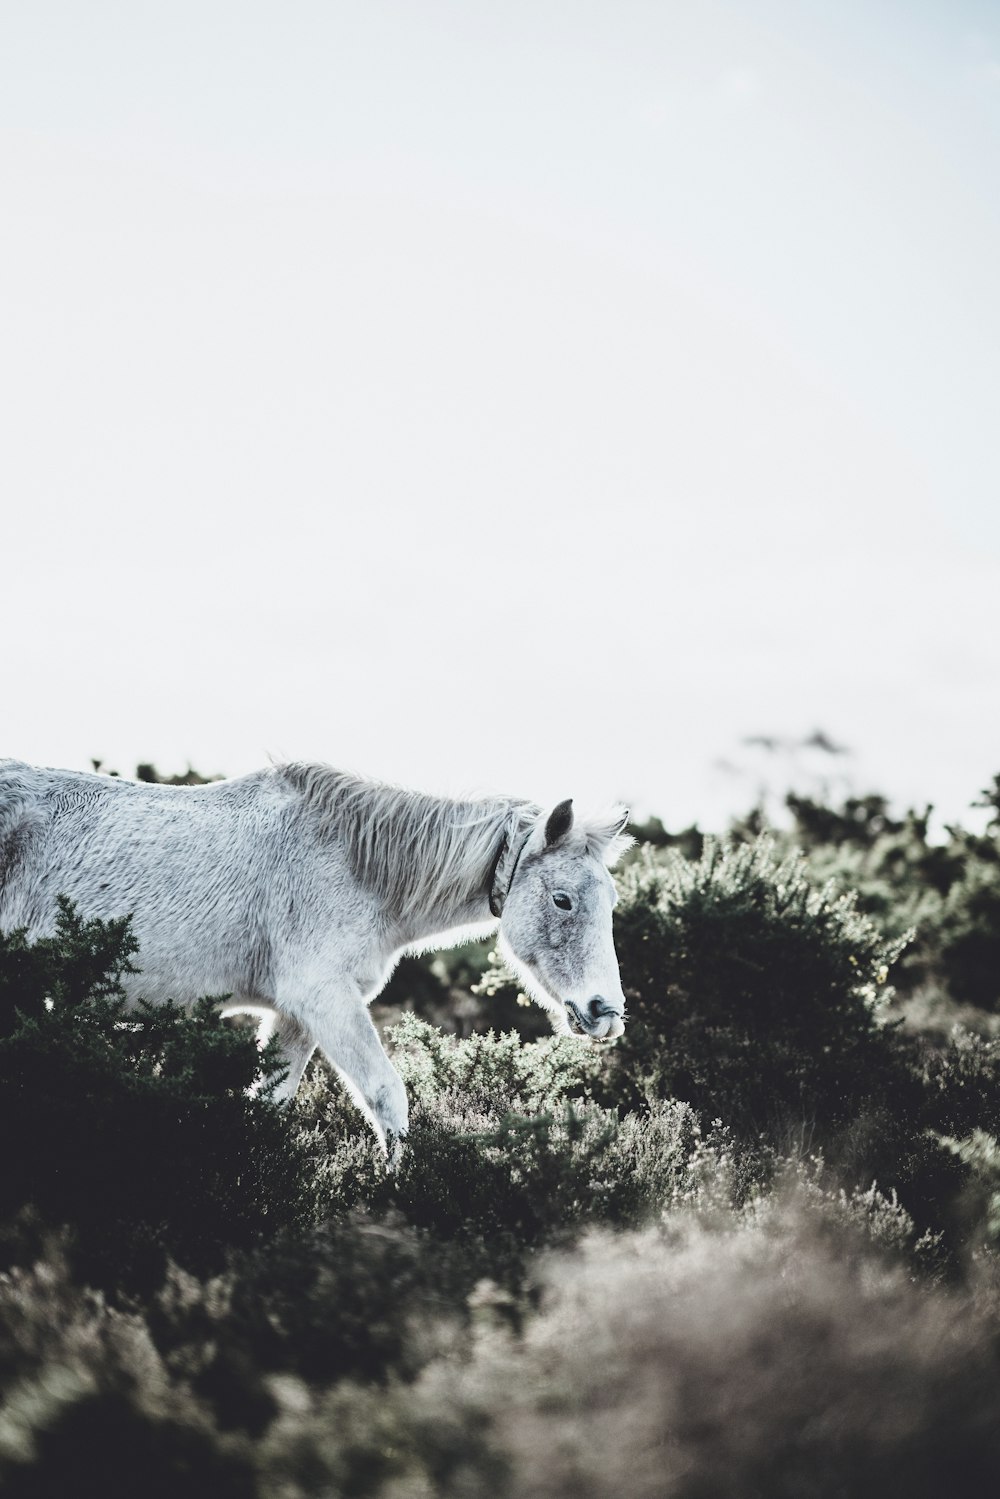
(296, 889)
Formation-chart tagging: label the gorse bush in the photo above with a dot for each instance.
(135, 1126)
(947, 892)
(752, 994)
(762, 999)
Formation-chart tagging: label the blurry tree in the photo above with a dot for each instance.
(190, 777)
(149, 773)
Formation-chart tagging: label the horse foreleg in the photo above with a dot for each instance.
(352, 1044)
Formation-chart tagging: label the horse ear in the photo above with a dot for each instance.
(607, 838)
(559, 823)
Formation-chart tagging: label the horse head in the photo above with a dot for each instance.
(554, 896)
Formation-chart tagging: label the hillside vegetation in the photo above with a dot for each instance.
(751, 1250)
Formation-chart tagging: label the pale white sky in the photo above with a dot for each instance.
(519, 396)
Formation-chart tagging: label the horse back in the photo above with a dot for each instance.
(189, 864)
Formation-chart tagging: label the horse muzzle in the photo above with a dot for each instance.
(595, 1018)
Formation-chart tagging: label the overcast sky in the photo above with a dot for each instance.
(521, 396)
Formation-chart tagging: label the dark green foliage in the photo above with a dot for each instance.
(760, 999)
(949, 892)
(134, 1126)
(101, 1444)
(968, 929)
(91, 1408)
(359, 1299)
(506, 1152)
(980, 1154)
(780, 1356)
(752, 994)
(963, 1079)
(515, 1186)
(78, 972)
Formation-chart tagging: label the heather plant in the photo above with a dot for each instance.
(980, 1152)
(91, 1406)
(768, 1358)
(963, 1083)
(365, 1299)
(379, 1292)
(507, 1150)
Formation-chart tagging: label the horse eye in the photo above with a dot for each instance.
(562, 900)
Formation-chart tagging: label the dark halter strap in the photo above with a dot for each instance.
(497, 895)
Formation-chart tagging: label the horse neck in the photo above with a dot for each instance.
(464, 919)
(464, 904)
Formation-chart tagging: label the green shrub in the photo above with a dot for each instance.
(135, 1127)
(752, 995)
(489, 1320)
(355, 1300)
(507, 1152)
(759, 999)
(968, 933)
(948, 891)
(89, 1406)
(963, 1084)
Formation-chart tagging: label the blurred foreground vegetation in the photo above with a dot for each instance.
(751, 1250)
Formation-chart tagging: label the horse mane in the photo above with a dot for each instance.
(409, 847)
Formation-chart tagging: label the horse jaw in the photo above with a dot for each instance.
(569, 1017)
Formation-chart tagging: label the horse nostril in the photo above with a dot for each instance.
(596, 1007)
